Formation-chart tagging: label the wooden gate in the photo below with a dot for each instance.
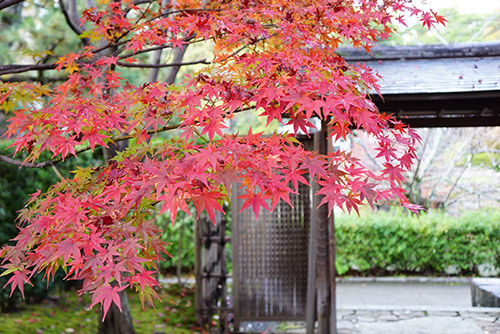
(283, 263)
(211, 272)
(270, 260)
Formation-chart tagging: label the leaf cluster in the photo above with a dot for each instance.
(277, 59)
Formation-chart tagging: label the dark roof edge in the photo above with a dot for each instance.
(462, 50)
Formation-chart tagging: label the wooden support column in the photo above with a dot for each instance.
(321, 257)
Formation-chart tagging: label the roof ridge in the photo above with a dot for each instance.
(440, 51)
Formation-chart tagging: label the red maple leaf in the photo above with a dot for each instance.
(106, 295)
(256, 201)
(17, 280)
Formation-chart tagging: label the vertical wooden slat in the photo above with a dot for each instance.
(333, 274)
(198, 292)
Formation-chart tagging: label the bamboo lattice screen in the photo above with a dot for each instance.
(270, 260)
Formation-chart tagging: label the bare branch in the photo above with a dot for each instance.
(19, 78)
(7, 3)
(141, 2)
(156, 58)
(70, 19)
(26, 164)
(17, 68)
(178, 56)
(202, 61)
(54, 168)
(159, 47)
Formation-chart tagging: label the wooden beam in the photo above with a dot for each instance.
(455, 122)
(471, 109)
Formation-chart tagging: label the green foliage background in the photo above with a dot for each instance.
(16, 185)
(381, 243)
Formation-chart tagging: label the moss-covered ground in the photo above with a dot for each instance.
(68, 313)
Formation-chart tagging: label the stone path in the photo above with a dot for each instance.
(375, 320)
(401, 306)
(411, 307)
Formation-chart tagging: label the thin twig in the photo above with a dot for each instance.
(54, 168)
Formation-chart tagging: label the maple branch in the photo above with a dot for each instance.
(54, 168)
(20, 163)
(46, 163)
(7, 3)
(141, 2)
(85, 148)
(191, 10)
(15, 78)
(156, 59)
(178, 11)
(17, 68)
(247, 46)
(159, 47)
(143, 14)
(202, 61)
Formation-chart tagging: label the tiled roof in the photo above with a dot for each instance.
(435, 86)
(433, 69)
(448, 75)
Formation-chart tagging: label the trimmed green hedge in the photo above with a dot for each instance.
(382, 243)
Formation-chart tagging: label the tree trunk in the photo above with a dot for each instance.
(117, 322)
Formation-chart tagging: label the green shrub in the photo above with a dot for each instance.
(380, 242)
(172, 235)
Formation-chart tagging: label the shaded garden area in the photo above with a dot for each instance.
(65, 312)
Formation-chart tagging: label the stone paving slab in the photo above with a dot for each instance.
(421, 325)
(382, 319)
(404, 294)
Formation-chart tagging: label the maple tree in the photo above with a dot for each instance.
(279, 58)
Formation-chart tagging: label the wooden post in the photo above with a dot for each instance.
(331, 250)
(223, 313)
(311, 274)
(321, 257)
